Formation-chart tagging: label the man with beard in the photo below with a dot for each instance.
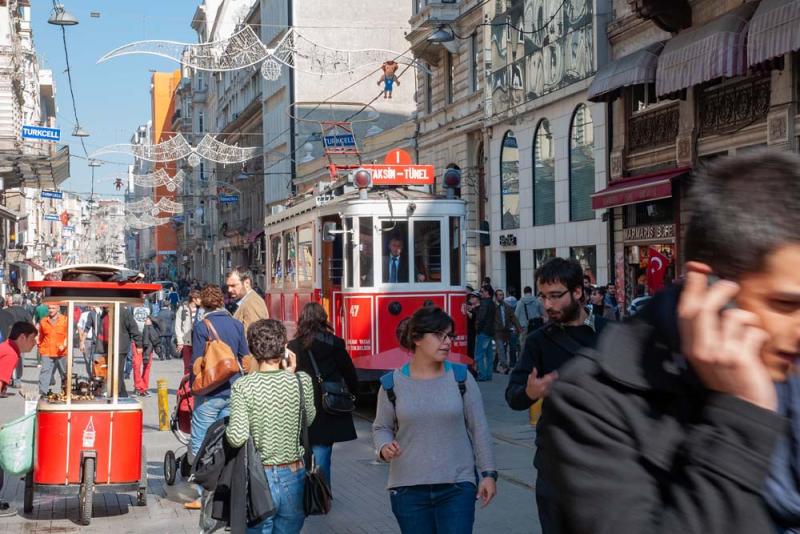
(560, 285)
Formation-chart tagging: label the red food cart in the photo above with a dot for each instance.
(87, 437)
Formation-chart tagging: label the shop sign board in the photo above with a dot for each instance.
(228, 199)
(58, 195)
(339, 141)
(51, 217)
(649, 232)
(40, 132)
(401, 174)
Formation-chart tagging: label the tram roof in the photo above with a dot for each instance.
(93, 281)
(395, 194)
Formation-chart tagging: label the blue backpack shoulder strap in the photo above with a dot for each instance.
(387, 381)
(460, 373)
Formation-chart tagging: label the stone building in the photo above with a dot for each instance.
(688, 81)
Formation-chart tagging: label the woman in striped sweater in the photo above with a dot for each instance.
(266, 405)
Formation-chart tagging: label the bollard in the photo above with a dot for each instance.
(534, 412)
(163, 404)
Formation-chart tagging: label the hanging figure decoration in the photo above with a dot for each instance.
(118, 183)
(389, 78)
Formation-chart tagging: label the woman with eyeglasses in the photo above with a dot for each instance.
(431, 428)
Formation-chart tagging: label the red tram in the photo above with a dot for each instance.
(371, 258)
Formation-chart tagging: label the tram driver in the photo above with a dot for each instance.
(395, 263)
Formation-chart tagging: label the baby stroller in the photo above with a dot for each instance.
(180, 423)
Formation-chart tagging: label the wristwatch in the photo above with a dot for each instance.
(492, 474)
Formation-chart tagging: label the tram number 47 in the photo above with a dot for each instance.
(354, 310)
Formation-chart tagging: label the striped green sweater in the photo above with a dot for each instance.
(266, 405)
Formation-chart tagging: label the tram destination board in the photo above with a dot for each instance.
(401, 174)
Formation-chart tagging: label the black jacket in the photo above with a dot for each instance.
(635, 444)
(236, 476)
(484, 317)
(129, 332)
(334, 364)
(151, 336)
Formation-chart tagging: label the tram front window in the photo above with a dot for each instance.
(395, 252)
(427, 251)
(365, 251)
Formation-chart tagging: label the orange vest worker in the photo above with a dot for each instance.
(53, 336)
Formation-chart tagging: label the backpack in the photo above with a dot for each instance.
(459, 372)
(533, 324)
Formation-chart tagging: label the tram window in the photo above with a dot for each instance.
(349, 251)
(291, 258)
(455, 251)
(275, 261)
(365, 251)
(427, 251)
(395, 252)
(305, 257)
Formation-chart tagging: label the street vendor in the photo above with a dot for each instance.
(22, 338)
(52, 347)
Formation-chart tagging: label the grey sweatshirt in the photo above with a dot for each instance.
(442, 439)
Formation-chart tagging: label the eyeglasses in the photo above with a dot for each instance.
(552, 296)
(441, 336)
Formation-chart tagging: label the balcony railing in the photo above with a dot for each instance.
(652, 129)
(733, 106)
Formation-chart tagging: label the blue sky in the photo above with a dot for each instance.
(113, 98)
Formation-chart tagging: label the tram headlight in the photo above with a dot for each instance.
(362, 178)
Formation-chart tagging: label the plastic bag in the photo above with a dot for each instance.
(16, 445)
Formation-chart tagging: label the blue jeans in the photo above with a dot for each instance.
(286, 487)
(207, 411)
(322, 457)
(483, 356)
(435, 508)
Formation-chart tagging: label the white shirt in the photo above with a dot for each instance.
(82, 325)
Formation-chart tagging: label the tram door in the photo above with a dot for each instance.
(332, 267)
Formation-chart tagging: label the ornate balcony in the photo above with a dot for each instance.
(428, 15)
(730, 107)
(654, 128)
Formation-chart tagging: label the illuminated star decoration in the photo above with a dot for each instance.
(244, 49)
(160, 178)
(146, 205)
(177, 147)
(144, 221)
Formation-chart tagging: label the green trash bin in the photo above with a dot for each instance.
(16, 445)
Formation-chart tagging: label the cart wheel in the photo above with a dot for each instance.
(141, 497)
(186, 467)
(27, 505)
(86, 495)
(170, 467)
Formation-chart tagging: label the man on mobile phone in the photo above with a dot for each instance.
(678, 421)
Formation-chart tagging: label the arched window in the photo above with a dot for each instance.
(509, 182)
(544, 172)
(581, 165)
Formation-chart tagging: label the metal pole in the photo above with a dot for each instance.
(70, 348)
(163, 404)
(112, 356)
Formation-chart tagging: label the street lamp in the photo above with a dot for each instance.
(441, 35)
(60, 17)
(79, 132)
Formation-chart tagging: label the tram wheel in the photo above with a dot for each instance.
(170, 468)
(86, 494)
(27, 504)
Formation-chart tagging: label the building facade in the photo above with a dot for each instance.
(688, 81)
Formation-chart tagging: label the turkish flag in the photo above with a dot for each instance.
(657, 265)
(64, 218)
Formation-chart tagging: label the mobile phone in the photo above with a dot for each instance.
(713, 279)
(286, 356)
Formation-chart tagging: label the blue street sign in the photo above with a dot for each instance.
(51, 217)
(229, 198)
(40, 132)
(339, 141)
(58, 195)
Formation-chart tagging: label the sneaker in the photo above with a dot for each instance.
(193, 505)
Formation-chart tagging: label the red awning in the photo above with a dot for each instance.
(636, 189)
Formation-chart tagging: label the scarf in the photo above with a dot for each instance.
(782, 490)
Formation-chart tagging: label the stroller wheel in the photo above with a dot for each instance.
(186, 467)
(170, 468)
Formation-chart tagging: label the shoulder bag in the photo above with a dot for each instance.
(316, 491)
(217, 365)
(336, 398)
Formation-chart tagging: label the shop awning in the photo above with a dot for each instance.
(773, 30)
(636, 189)
(714, 50)
(633, 69)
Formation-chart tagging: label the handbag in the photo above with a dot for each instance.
(217, 365)
(336, 398)
(316, 491)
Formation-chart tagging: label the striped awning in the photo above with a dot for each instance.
(633, 69)
(774, 30)
(714, 50)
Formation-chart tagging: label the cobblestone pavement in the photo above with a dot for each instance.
(361, 503)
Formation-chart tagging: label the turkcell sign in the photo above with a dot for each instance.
(40, 132)
(227, 199)
(58, 195)
(401, 174)
(51, 217)
(339, 141)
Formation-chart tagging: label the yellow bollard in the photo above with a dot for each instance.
(163, 404)
(534, 412)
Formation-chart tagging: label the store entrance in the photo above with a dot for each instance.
(513, 276)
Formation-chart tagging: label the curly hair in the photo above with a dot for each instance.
(266, 339)
(211, 298)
